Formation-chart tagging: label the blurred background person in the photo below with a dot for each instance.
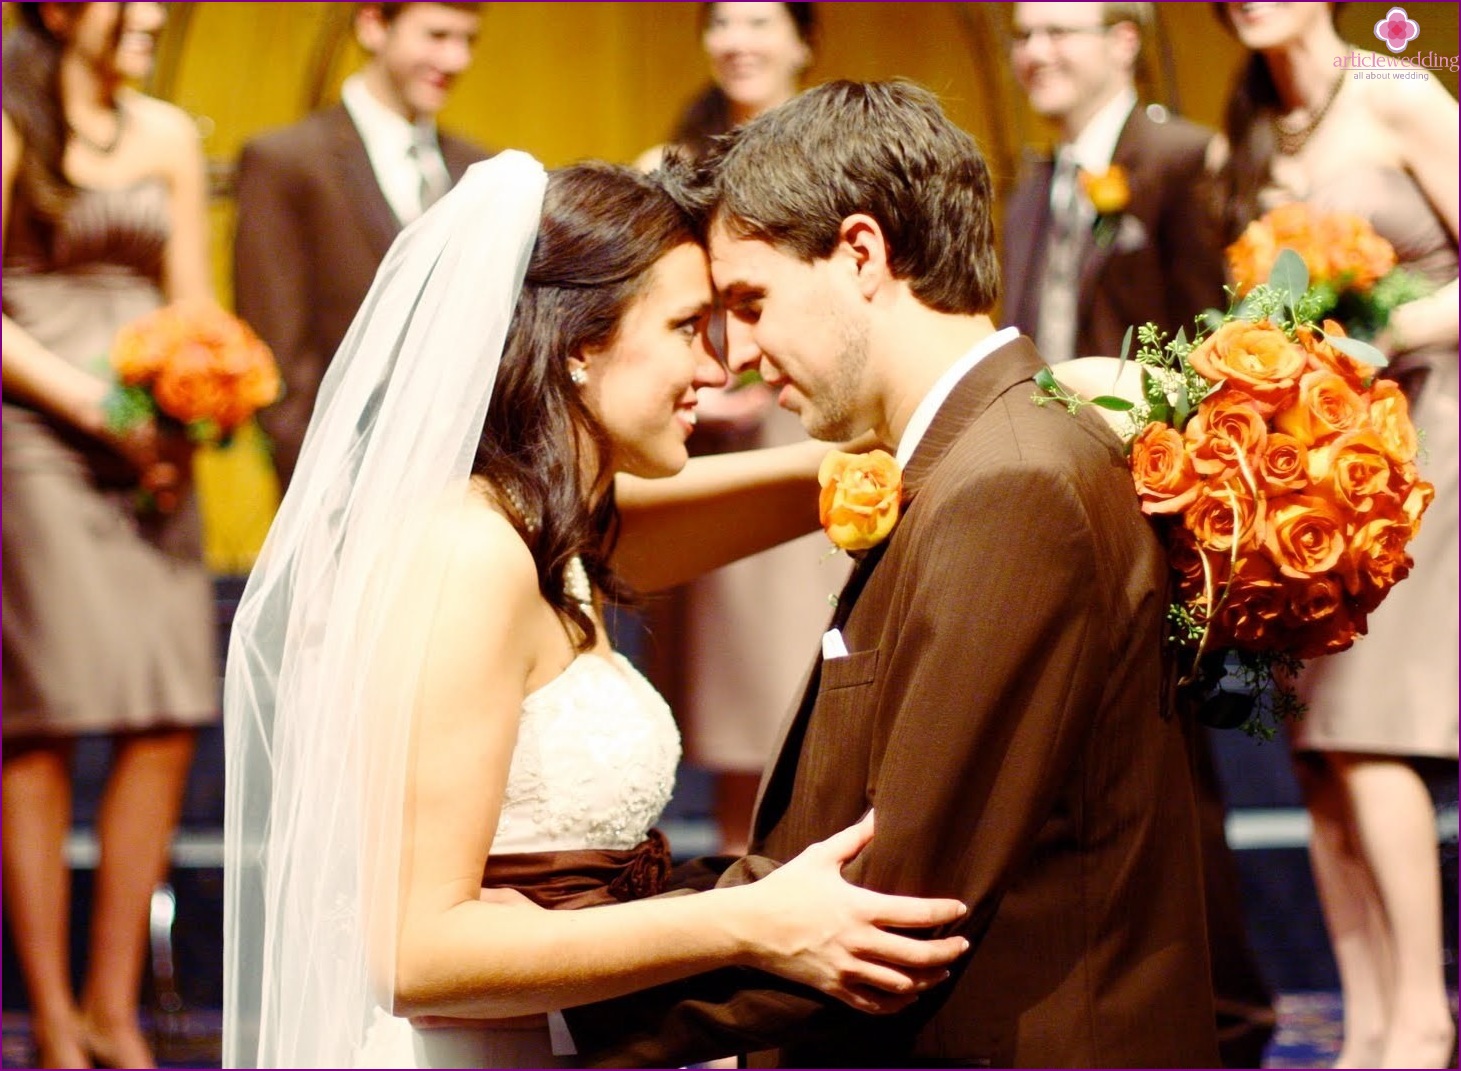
(320, 201)
(1080, 267)
(1301, 128)
(108, 612)
(733, 646)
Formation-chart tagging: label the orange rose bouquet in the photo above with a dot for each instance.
(195, 366)
(1282, 474)
(1351, 269)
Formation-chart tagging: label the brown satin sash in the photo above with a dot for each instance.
(584, 878)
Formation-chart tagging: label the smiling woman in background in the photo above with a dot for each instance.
(1300, 128)
(742, 641)
(108, 624)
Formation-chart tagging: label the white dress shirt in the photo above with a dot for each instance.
(1094, 146)
(389, 139)
(933, 401)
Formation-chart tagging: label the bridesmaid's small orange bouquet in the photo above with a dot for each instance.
(1280, 471)
(194, 365)
(1352, 269)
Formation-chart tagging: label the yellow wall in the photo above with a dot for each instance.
(571, 80)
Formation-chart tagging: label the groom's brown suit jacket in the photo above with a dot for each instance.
(1002, 708)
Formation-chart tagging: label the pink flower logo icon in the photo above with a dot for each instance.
(1397, 29)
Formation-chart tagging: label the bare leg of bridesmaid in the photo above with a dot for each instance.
(37, 817)
(139, 812)
(1397, 828)
(1353, 914)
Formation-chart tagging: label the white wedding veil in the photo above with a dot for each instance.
(316, 742)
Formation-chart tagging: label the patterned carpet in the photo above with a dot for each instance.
(1308, 1036)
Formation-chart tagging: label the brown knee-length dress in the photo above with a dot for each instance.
(108, 612)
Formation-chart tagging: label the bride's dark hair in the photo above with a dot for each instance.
(603, 229)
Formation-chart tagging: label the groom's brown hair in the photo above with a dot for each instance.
(886, 149)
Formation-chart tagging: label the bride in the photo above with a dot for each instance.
(420, 697)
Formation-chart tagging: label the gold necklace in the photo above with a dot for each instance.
(1290, 142)
(103, 148)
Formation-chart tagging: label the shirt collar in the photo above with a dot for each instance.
(383, 130)
(939, 392)
(1094, 146)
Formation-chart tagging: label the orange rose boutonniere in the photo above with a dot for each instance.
(860, 499)
(1109, 194)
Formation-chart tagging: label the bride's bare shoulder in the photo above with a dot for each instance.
(468, 535)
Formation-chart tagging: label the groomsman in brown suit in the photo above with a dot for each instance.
(320, 202)
(993, 680)
(1077, 277)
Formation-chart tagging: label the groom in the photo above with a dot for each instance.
(1000, 698)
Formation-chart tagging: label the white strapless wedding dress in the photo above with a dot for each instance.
(594, 766)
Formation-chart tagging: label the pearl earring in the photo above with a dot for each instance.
(578, 376)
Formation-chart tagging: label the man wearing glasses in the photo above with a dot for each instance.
(1115, 231)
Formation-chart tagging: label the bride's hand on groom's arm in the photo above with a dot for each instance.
(813, 927)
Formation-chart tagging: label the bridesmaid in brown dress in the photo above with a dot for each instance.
(107, 611)
(1301, 128)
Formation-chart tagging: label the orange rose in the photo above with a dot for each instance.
(1108, 191)
(1390, 417)
(1379, 558)
(1226, 428)
(1223, 512)
(1417, 501)
(1253, 603)
(1357, 257)
(1325, 406)
(1192, 564)
(1291, 226)
(1162, 469)
(1305, 535)
(1283, 464)
(1352, 470)
(140, 348)
(1334, 634)
(1258, 358)
(1251, 257)
(186, 388)
(861, 494)
(1323, 356)
(1316, 599)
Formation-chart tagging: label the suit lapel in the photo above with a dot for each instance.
(774, 792)
(993, 376)
(458, 156)
(1026, 235)
(353, 165)
(1128, 154)
(1007, 366)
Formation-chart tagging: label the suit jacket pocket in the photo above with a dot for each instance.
(860, 667)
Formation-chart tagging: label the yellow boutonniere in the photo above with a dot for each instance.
(1108, 192)
(861, 494)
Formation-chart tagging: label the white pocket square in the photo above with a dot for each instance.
(1131, 235)
(833, 646)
